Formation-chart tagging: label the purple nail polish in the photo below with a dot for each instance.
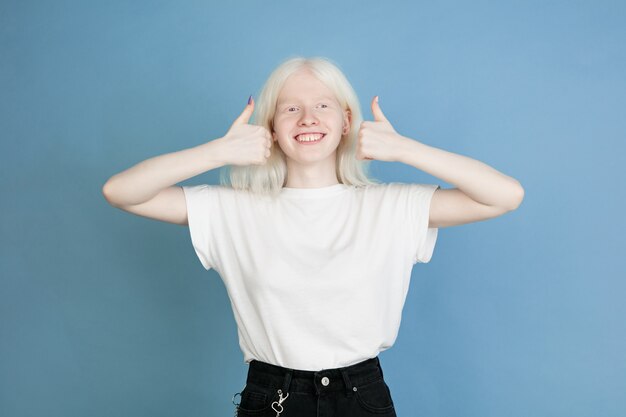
(249, 99)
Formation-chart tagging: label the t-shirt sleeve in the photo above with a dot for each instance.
(420, 196)
(199, 215)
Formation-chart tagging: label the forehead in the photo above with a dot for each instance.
(303, 86)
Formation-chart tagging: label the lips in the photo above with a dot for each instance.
(310, 133)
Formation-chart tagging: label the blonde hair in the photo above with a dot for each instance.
(269, 178)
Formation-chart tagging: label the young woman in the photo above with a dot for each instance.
(316, 257)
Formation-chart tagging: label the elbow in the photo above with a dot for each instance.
(108, 193)
(517, 193)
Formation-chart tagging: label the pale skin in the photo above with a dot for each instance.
(480, 192)
(149, 188)
(305, 104)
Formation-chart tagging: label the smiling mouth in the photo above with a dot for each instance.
(310, 137)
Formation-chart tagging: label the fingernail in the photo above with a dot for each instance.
(249, 99)
(376, 99)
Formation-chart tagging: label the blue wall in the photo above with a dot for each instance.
(103, 313)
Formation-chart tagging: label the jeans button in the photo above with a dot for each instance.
(325, 381)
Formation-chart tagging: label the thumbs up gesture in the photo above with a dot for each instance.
(246, 144)
(377, 139)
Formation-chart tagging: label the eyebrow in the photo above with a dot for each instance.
(291, 99)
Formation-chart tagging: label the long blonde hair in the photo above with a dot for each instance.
(268, 179)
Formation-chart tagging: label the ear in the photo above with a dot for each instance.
(347, 121)
(272, 130)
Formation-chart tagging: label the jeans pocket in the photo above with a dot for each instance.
(256, 399)
(375, 396)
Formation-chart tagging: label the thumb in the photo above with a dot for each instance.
(377, 112)
(244, 117)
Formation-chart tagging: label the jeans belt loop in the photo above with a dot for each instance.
(287, 381)
(379, 367)
(348, 383)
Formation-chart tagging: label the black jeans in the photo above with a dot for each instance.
(358, 390)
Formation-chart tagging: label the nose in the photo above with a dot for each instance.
(307, 118)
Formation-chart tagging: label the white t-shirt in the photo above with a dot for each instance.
(317, 277)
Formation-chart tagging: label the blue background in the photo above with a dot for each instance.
(103, 313)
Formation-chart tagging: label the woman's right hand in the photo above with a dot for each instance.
(246, 144)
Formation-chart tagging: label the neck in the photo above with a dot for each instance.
(314, 175)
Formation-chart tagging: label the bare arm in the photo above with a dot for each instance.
(481, 191)
(148, 188)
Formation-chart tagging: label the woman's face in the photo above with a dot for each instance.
(306, 106)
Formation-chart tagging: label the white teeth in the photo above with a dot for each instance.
(308, 137)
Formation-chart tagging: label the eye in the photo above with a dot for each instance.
(289, 108)
(325, 105)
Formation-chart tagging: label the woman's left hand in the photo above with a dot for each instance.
(377, 139)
